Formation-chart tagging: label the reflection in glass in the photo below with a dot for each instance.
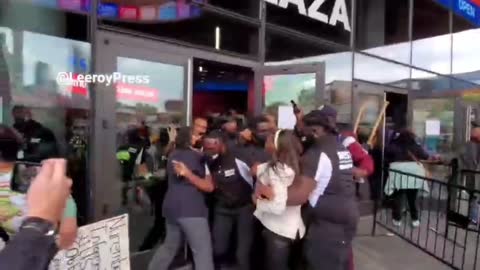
(432, 53)
(280, 89)
(144, 111)
(428, 111)
(371, 69)
(465, 56)
(431, 38)
(338, 80)
(382, 29)
(52, 117)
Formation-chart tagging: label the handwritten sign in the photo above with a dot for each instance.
(103, 245)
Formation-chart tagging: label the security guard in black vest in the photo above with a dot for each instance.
(326, 187)
(232, 207)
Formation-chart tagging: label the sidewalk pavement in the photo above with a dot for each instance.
(387, 252)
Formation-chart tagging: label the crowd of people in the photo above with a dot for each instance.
(289, 193)
(247, 195)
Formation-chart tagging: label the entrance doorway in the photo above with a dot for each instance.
(219, 87)
(396, 114)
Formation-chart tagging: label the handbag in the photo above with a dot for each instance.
(428, 173)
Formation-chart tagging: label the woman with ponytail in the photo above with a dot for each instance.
(283, 224)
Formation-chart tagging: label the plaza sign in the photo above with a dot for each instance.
(338, 14)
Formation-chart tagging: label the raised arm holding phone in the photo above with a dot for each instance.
(35, 245)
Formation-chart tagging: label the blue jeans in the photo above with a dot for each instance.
(197, 233)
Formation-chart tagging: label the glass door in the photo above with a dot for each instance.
(149, 92)
(277, 86)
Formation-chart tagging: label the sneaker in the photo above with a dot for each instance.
(397, 223)
(415, 223)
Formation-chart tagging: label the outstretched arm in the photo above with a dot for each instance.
(204, 184)
(300, 190)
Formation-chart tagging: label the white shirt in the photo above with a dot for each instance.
(275, 215)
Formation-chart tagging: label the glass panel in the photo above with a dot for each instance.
(431, 112)
(373, 103)
(465, 58)
(382, 28)
(431, 38)
(143, 112)
(325, 19)
(37, 43)
(338, 80)
(371, 69)
(190, 24)
(280, 89)
(427, 81)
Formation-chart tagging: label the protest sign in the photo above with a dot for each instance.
(103, 245)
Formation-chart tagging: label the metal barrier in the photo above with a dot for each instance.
(445, 211)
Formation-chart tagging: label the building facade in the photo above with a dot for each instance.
(419, 55)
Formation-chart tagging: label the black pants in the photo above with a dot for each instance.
(4, 235)
(327, 246)
(157, 232)
(227, 221)
(398, 196)
(278, 251)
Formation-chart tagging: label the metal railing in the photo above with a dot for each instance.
(447, 211)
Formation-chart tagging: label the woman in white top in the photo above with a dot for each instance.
(282, 224)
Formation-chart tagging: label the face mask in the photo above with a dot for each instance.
(308, 141)
(232, 135)
(260, 140)
(19, 120)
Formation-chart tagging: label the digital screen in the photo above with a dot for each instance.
(128, 10)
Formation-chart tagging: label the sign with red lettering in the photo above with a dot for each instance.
(129, 13)
(78, 87)
(136, 93)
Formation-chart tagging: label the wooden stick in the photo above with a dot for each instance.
(377, 124)
(361, 112)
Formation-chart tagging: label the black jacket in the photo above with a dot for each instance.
(28, 250)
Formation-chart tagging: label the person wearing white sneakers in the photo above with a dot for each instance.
(403, 155)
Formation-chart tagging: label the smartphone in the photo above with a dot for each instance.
(23, 175)
(295, 107)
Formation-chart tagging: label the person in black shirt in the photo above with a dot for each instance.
(261, 129)
(184, 207)
(39, 142)
(230, 128)
(232, 207)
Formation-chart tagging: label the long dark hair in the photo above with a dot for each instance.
(288, 150)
